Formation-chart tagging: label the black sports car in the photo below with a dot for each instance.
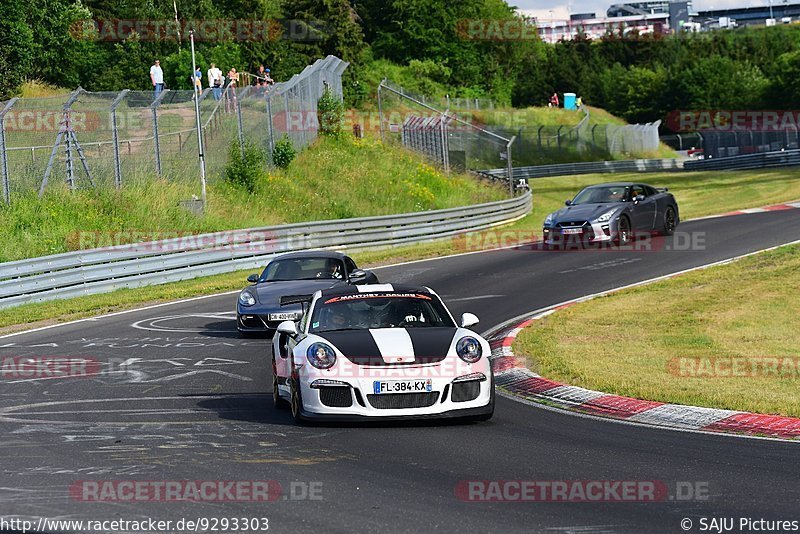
(258, 308)
(613, 212)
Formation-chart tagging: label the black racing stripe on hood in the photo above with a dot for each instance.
(431, 343)
(358, 346)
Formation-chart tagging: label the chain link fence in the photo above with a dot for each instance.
(446, 137)
(107, 139)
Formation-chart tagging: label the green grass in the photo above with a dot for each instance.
(664, 341)
(699, 194)
(39, 89)
(334, 179)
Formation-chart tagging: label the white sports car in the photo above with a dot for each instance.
(380, 351)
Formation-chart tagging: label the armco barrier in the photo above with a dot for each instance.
(590, 167)
(140, 264)
(761, 160)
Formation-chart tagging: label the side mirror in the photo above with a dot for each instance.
(469, 319)
(289, 328)
(359, 275)
(568, 203)
(253, 278)
(638, 198)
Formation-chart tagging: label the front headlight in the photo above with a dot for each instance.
(606, 216)
(469, 349)
(246, 298)
(321, 355)
(549, 220)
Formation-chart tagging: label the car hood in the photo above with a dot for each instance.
(393, 346)
(585, 212)
(269, 294)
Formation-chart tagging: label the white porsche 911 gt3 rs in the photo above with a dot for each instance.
(380, 351)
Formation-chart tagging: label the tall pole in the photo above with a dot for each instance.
(199, 129)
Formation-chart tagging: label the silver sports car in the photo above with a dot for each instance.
(612, 213)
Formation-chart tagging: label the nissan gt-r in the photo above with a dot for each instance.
(612, 213)
(380, 352)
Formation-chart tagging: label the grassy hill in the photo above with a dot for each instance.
(331, 180)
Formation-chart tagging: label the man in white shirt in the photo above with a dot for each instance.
(215, 81)
(157, 77)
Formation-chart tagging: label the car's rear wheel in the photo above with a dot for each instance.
(277, 400)
(624, 231)
(297, 401)
(670, 221)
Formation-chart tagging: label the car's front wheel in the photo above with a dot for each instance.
(277, 400)
(624, 231)
(670, 221)
(297, 401)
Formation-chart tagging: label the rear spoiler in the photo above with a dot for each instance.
(662, 189)
(295, 299)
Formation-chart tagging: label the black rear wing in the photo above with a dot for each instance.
(296, 299)
(662, 189)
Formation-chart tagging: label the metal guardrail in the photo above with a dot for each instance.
(761, 160)
(591, 167)
(102, 270)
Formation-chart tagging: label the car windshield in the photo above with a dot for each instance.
(602, 195)
(303, 269)
(379, 310)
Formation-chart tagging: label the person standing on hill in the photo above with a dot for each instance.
(215, 81)
(157, 78)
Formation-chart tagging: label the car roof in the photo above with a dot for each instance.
(310, 254)
(374, 288)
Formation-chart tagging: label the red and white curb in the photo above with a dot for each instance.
(763, 209)
(512, 375)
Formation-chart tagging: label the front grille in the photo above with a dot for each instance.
(394, 401)
(466, 391)
(336, 396)
(572, 224)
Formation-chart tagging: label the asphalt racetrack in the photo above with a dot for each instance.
(179, 396)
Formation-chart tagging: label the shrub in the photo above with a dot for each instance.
(330, 113)
(284, 152)
(243, 170)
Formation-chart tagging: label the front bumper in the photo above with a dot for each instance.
(447, 398)
(587, 233)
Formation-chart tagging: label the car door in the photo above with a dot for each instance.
(644, 211)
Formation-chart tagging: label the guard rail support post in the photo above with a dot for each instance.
(3, 152)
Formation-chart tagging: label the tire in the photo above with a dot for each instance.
(670, 221)
(278, 401)
(624, 231)
(297, 402)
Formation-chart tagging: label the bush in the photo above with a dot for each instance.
(330, 113)
(283, 153)
(243, 171)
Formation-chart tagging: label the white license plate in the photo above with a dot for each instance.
(402, 386)
(283, 316)
(572, 230)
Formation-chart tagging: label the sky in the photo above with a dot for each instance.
(562, 8)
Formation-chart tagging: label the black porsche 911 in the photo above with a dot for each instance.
(612, 213)
(258, 309)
